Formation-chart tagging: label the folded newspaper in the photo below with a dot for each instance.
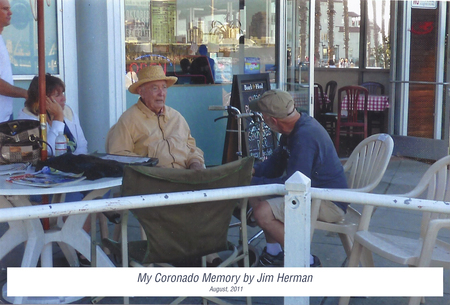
(46, 177)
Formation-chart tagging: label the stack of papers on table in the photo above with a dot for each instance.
(47, 177)
(126, 159)
(13, 168)
(132, 160)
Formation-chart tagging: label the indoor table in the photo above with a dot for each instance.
(69, 234)
(374, 102)
(377, 107)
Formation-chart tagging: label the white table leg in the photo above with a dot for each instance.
(69, 252)
(38, 243)
(30, 231)
(15, 235)
(23, 231)
(34, 244)
(73, 235)
(95, 194)
(47, 255)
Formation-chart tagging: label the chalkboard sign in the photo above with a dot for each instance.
(245, 88)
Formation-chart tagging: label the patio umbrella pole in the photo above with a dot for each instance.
(42, 94)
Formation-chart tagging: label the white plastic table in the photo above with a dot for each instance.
(69, 234)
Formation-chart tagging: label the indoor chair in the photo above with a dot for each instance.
(182, 235)
(321, 114)
(375, 118)
(330, 91)
(374, 88)
(329, 118)
(319, 103)
(352, 120)
(364, 170)
(427, 250)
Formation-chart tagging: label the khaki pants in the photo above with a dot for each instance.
(328, 212)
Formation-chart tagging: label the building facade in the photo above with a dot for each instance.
(96, 46)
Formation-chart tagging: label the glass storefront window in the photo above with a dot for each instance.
(21, 38)
(297, 39)
(239, 36)
(337, 34)
(377, 34)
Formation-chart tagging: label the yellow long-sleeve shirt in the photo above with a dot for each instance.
(166, 136)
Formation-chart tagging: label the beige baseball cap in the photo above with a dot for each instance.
(275, 103)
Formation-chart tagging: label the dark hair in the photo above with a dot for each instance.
(52, 83)
(184, 64)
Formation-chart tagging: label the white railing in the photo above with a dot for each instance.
(297, 191)
(134, 202)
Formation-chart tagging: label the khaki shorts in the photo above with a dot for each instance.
(328, 212)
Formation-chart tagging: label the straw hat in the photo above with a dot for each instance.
(151, 74)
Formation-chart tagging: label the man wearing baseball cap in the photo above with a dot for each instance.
(151, 129)
(304, 146)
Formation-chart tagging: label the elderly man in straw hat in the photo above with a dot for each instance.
(305, 146)
(152, 129)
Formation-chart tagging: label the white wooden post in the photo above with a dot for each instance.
(297, 226)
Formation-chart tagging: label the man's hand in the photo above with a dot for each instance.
(196, 166)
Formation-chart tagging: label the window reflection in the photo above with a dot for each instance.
(378, 44)
(21, 38)
(337, 33)
(239, 35)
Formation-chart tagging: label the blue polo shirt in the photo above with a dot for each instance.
(309, 150)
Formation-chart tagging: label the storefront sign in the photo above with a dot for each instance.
(246, 88)
(251, 65)
(424, 4)
(163, 21)
(137, 20)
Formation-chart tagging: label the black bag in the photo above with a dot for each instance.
(91, 166)
(20, 141)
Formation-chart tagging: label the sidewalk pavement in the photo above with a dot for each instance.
(401, 176)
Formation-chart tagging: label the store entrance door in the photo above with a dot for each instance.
(420, 118)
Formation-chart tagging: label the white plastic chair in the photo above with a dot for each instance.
(428, 250)
(364, 169)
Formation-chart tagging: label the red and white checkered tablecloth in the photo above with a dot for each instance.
(374, 103)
